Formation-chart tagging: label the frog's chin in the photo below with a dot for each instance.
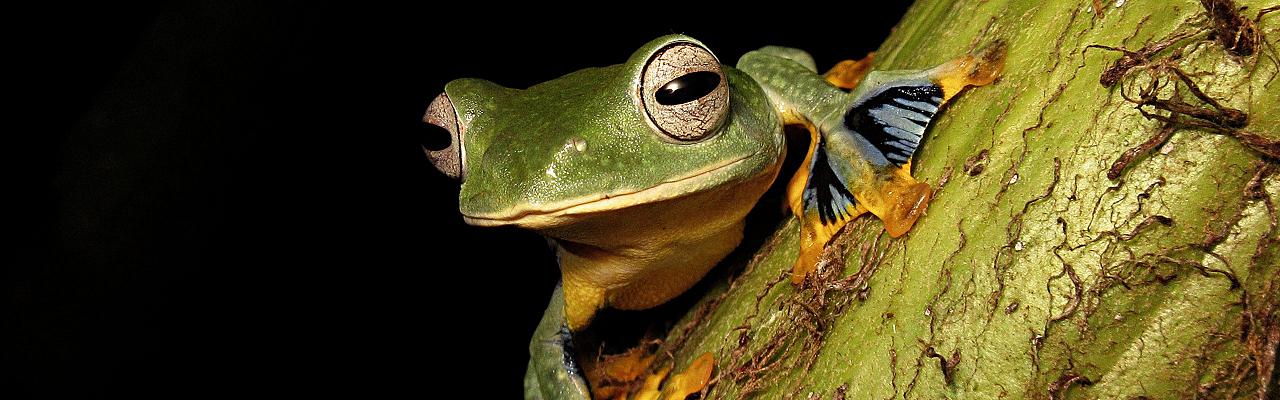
(568, 212)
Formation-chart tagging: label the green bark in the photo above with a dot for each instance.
(1033, 274)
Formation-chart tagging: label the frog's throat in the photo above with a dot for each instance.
(561, 213)
(642, 256)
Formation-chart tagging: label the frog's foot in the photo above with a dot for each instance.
(861, 160)
(820, 198)
(692, 380)
(848, 73)
(893, 120)
(622, 376)
(614, 376)
(823, 204)
(553, 372)
(617, 376)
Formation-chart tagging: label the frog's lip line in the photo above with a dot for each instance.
(659, 192)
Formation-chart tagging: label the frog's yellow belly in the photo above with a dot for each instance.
(643, 255)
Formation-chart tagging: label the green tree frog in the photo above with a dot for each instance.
(642, 173)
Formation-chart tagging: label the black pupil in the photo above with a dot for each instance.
(435, 137)
(687, 88)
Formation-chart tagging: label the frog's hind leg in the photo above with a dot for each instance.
(614, 376)
(553, 372)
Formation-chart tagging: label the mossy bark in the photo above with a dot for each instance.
(1034, 275)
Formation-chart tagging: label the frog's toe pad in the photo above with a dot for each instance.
(691, 380)
(906, 204)
(979, 69)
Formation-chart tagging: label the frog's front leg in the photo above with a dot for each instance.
(553, 371)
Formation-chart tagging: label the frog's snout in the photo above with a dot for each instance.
(443, 139)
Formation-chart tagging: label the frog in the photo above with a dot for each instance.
(641, 174)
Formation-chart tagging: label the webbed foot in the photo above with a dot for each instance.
(860, 160)
(614, 376)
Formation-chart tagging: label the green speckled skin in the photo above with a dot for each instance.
(520, 150)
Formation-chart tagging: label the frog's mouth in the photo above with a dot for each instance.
(531, 217)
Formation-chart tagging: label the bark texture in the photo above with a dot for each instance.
(1035, 274)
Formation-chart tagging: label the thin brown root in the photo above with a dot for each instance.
(1146, 147)
(1058, 389)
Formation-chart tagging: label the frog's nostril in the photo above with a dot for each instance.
(442, 140)
(578, 144)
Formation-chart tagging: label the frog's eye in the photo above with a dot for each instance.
(443, 140)
(684, 91)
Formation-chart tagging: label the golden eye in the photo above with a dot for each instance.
(685, 92)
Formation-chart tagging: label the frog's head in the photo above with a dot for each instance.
(670, 122)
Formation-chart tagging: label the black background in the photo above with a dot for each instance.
(228, 198)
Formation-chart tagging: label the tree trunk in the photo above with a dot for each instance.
(1034, 274)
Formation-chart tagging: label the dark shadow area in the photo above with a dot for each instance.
(229, 198)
